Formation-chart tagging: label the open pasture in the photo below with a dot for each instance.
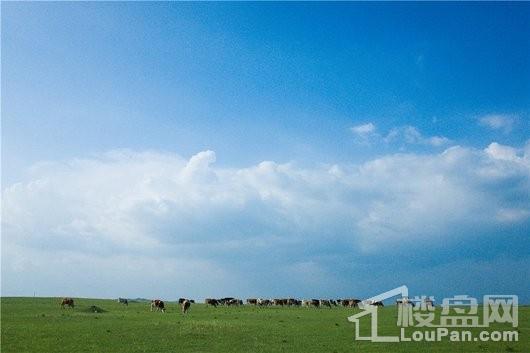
(40, 325)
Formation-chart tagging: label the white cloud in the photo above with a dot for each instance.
(503, 122)
(411, 135)
(366, 134)
(437, 141)
(497, 151)
(160, 209)
(363, 129)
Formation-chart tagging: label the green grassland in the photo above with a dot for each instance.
(40, 325)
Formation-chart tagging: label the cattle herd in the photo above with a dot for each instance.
(317, 303)
(159, 305)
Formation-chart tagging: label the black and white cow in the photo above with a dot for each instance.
(123, 301)
(158, 305)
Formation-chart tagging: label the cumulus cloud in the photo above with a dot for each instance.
(502, 122)
(498, 151)
(151, 209)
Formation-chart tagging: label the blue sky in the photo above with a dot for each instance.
(330, 149)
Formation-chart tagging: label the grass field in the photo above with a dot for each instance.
(40, 325)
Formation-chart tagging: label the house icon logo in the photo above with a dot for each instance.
(369, 309)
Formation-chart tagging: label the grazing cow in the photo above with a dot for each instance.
(252, 301)
(185, 305)
(315, 303)
(264, 302)
(377, 304)
(306, 303)
(68, 302)
(294, 302)
(277, 302)
(212, 302)
(123, 301)
(325, 302)
(351, 303)
(224, 301)
(158, 305)
(281, 302)
(233, 301)
(354, 303)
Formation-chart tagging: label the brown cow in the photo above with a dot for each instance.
(158, 304)
(185, 306)
(67, 301)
